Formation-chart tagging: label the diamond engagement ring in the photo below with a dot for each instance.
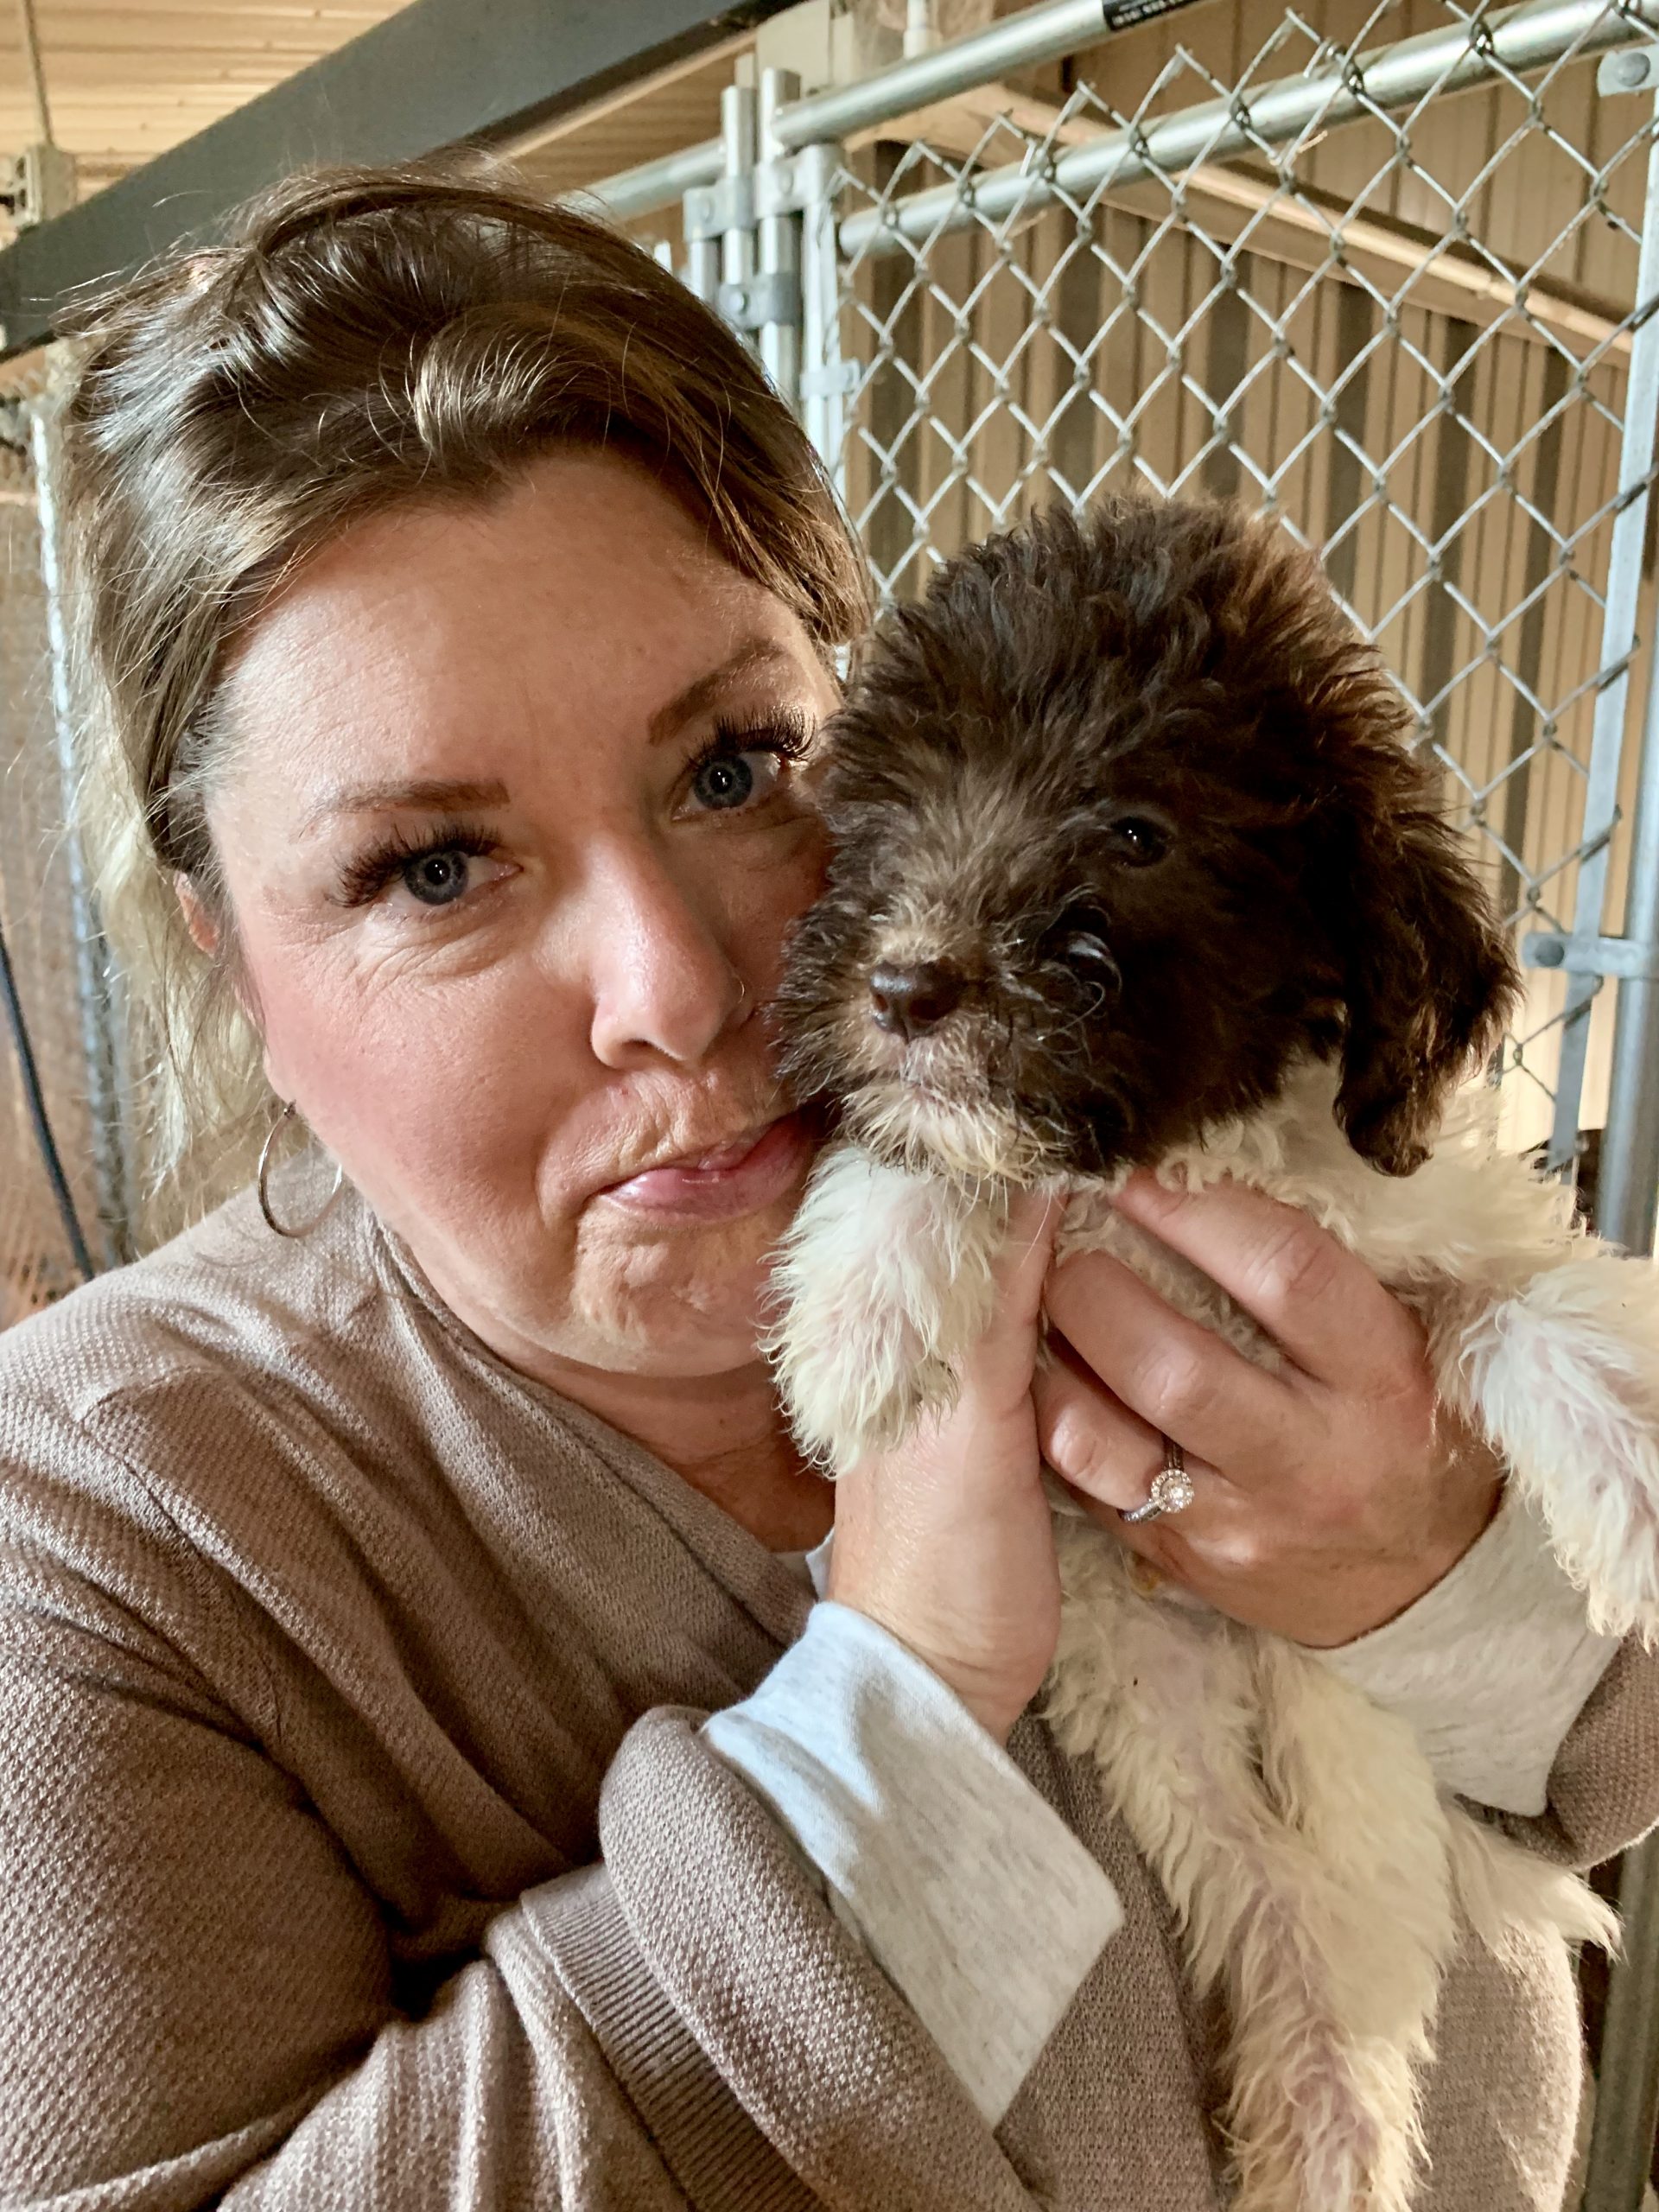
(1171, 1487)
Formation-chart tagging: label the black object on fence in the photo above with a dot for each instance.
(35, 1101)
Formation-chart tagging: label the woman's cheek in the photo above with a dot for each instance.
(776, 892)
(430, 1097)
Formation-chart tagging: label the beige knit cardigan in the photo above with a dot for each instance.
(360, 1850)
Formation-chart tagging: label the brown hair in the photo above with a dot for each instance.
(363, 339)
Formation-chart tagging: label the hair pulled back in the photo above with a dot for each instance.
(361, 339)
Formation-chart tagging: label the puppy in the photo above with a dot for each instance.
(1133, 868)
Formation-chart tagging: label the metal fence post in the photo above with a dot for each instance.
(1617, 649)
(717, 212)
(739, 143)
(778, 231)
(1627, 1181)
(1627, 2087)
(95, 983)
(1627, 2096)
(700, 272)
(826, 379)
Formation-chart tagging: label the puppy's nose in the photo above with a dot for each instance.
(909, 1001)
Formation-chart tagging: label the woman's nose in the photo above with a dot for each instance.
(662, 982)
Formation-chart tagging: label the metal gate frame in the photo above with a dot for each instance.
(765, 242)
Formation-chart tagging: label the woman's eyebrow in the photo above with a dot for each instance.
(433, 795)
(752, 655)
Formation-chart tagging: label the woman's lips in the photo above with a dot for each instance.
(722, 1184)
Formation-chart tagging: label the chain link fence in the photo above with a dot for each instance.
(1376, 266)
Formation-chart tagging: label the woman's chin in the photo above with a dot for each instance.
(687, 1304)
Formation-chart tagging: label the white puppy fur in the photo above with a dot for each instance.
(1319, 1879)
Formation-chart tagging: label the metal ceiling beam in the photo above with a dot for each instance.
(440, 72)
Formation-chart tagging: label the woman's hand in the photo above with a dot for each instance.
(949, 1541)
(1329, 1495)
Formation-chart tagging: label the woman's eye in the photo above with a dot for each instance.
(439, 879)
(448, 867)
(732, 780)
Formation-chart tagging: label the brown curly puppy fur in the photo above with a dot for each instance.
(1126, 825)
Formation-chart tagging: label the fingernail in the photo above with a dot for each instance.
(1143, 1188)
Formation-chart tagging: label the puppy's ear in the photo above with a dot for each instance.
(1426, 975)
(1431, 979)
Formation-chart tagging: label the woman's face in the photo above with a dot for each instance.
(511, 829)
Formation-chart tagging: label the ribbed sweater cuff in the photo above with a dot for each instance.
(971, 1893)
(717, 2154)
(817, 2046)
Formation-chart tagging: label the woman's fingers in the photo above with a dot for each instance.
(1328, 1494)
(1022, 1266)
(1091, 1438)
(1176, 1374)
(1108, 1458)
(1004, 1360)
(1318, 1302)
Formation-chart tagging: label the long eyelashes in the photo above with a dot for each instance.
(788, 733)
(366, 874)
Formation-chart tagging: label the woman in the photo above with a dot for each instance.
(460, 605)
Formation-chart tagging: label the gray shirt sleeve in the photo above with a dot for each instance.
(966, 1887)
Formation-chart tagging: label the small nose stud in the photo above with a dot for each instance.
(908, 1002)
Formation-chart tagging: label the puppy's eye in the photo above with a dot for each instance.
(1138, 840)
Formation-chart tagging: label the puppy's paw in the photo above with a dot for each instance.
(856, 1392)
(882, 1284)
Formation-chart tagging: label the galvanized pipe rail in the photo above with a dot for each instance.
(650, 185)
(1524, 38)
(1585, 963)
(1023, 42)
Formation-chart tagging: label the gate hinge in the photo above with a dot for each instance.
(782, 187)
(713, 209)
(831, 380)
(1626, 958)
(772, 297)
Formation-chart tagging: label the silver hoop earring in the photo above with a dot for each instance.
(742, 990)
(269, 1146)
